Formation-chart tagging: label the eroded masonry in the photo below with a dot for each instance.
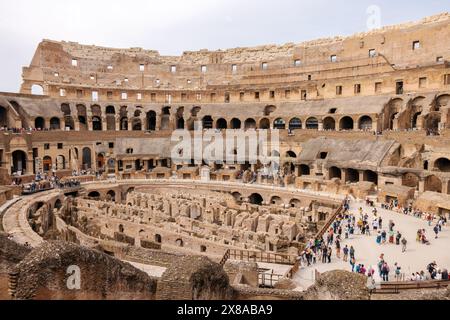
(365, 115)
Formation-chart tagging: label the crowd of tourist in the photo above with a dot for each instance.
(347, 224)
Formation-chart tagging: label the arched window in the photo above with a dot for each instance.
(37, 90)
(207, 122)
(19, 161)
(279, 124)
(250, 124)
(235, 123)
(96, 124)
(295, 124)
(221, 124)
(346, 123)
(365, 123)
(312, 124)
(256, 198)
(329, 124)
(87, 159)
(151, 121)
(55, 124)
(39, 123)
(47, 163)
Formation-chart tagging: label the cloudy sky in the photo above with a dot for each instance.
(173, 26)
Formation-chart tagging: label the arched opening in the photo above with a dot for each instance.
(346, 123)
(237, 196)
(304, 170)
(335, 172)
(279, 124)
(111, 196)
(69, 123)
(256, 199)
(110, 118)
(39, 123)
(137, 124)
(179, 243)
(94, 195)
(19, 161)
(312, 124)
(392, 121)
(442, 164)
(151, 121)
(158, 238)
(55, 124)
(47, 163)
(414, 120)
(60, 162)
(426, 165)
(100, 161)
(433, 184)
(165, 118)
(250, 124)
(221, 124)
(275, 200)
(3, 117)
(180, 123)
(365, 123)
(352, 176)
(121, 228)
(37, 90)
(235, 123)
(203, 248)
(329, 123)
(291, 154)
(96, 123)
(58, 204)
(295, 124)
(370, 176)
(410, 180)
(207, 122)
(87, 158)
(295, 203)
(82, 116)
(124, 124)
(264, 124)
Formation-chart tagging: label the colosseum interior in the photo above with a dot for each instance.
(365, 116)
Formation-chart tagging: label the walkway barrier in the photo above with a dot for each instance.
(225, 258)
(397, 287)
(268, 280)
(259, 256)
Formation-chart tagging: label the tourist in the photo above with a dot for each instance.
(379, 238)
(397, 272)
(352, 264)
(380, 223)
(329, 253)
(436, 230)
(385, 272)
(324, 254)
(398, 237)
(338, 248)
(383, 237)
(352, 252)
(346, 251)
(404, 242)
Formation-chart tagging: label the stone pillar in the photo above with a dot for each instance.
(445, 187)
(422, 186)
(104, 124)
(320, 126)
(118, 123)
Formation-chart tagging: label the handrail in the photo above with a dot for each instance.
(397, 287)
(225, 258)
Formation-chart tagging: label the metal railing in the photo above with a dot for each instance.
(259, 256)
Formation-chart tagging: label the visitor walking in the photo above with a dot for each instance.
(404, 242)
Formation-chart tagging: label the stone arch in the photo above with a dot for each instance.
(335, 172)
(4, 122)
(250, 124)
(94, 195)
(221, 124)
(82, 116)
(370, 176)
(295, 203)
(96, 110)
(111, 195)
(433, 183)
(60, 162)
(352, 175)
(58, 204)
(236, 124)
(207, 122)
(365, 123)
(279, 124)
(87, 158)
(19, 161)
(264, 124)
(137, 124)
(346, 123)
(295, 124)
(47, 163)
(39, 123)
(96, 123)
(391, 112)
(276, 200)
(55, 124)
(151, 121)
(304, 170)
(256, 198)
(329, 123)
(291, 154)
(312, 123)
(37, 90)
(442, 164)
